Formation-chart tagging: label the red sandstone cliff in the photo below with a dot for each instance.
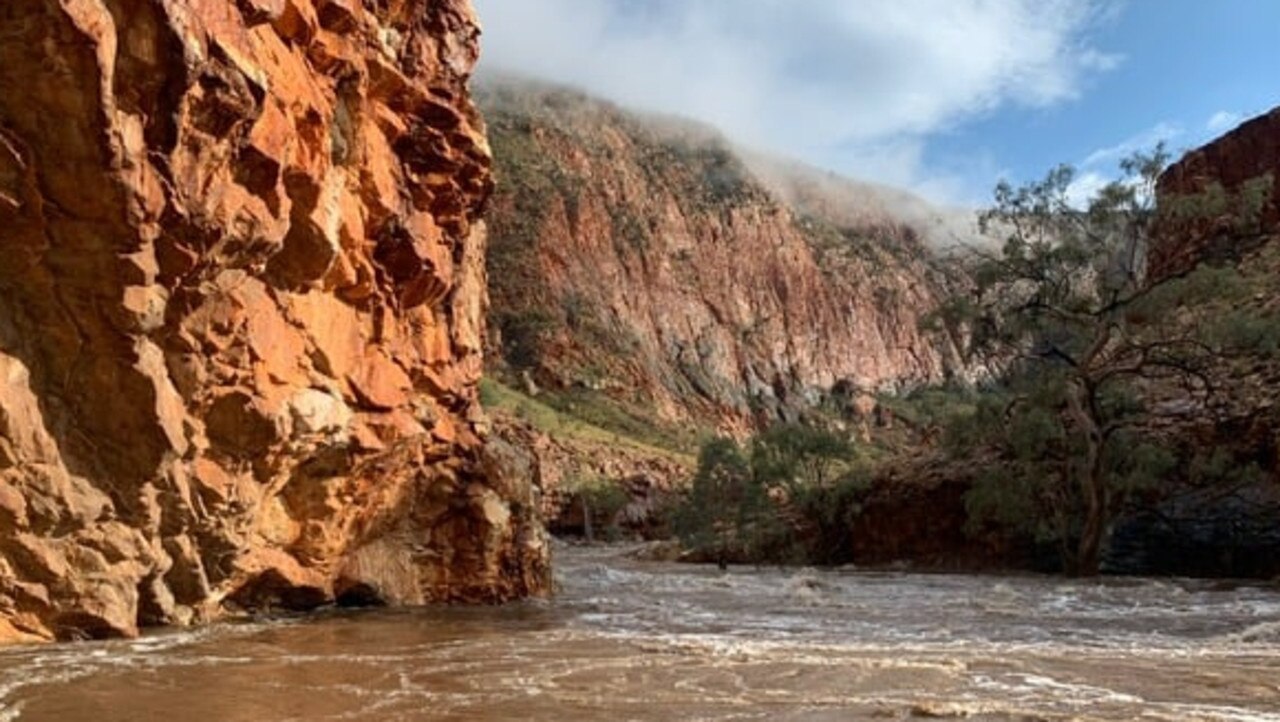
(241, 308)
(640, 258)
(1249, 152)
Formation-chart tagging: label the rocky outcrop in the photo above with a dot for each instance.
(1231, 530)
(1229, 533)
(643, 259)
(1249, 152)
(241, 310)
(569, 468)
(914, 516)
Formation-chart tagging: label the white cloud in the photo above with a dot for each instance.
(1101, 167)
(1092, 59)
(858, 86)
(1222, 121)
(1085, 187)
(1146, 140)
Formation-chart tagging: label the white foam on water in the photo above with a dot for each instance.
(1208, 713)
(1021, 647)
(1260, 633)
(1074, 692)
(807, 589)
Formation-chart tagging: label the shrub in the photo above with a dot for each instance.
(523, 333)
(601, 501)
(791, 497)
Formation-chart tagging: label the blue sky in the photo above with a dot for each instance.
(943, 97)
(1188, 71)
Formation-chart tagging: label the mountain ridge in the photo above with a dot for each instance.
(751, 300)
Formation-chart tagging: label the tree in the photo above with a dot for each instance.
(712, 515)
(794, 457)
(1066, 308)
(809, 477)
(1032, 488)
(789, 498)
(600, 500)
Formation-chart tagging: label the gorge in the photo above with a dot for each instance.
(299, 319)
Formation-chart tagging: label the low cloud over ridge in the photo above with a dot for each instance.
(857, 87)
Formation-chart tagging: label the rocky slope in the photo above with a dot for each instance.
(1236, 530)
(1213, 180)
(579, 465)
(640, 260)
(241, 312)
(1249, 152)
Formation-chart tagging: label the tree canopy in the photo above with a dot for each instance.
(1077, 334)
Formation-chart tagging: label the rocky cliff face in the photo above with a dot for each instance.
(1249, 152)
(241, 311)
(639, 482)
(641, 258)
(1236, 533)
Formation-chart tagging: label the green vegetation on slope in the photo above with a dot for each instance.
(587, 415)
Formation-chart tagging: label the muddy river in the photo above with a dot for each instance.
(631, 640)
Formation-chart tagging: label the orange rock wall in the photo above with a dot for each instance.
(651, 264)
(242, 298)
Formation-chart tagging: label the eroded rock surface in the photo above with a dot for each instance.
(241, 310)
(648, 478)
(1249, 152)
(643, 258)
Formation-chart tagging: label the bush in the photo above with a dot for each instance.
(523, 333)
(791, 497)
(601, 501)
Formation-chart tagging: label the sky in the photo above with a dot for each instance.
(942, 97)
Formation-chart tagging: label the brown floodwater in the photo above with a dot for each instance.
(630, 640)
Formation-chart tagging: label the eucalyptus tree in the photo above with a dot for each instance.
(1067, 307)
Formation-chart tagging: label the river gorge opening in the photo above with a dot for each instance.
(303, 308)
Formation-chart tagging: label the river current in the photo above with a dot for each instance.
(632, 640)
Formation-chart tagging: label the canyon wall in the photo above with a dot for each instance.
(643, 259)
(1249, 152)
(242, 303)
